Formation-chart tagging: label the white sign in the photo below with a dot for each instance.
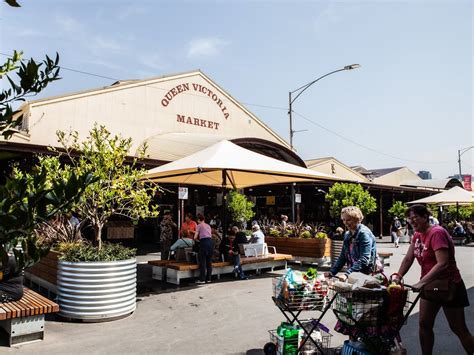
(183, 193)
(297, 198)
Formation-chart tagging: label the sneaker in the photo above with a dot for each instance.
(199, 282)
(208, 281)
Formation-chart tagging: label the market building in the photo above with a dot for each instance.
(175, 116)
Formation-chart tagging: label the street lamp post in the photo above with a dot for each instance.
(460, 152)
(291, 100)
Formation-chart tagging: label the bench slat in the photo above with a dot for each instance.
(185, 266)
(30, 304)
(36, 307)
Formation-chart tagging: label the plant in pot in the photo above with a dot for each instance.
(29, 197)
(97, 280)
(240, 208)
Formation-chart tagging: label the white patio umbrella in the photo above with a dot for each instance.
(228, 165)
(453, 196)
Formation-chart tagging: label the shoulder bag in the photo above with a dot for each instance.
(439, 291)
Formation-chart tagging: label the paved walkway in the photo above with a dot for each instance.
(225, 317)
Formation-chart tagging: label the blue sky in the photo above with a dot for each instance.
(410, 104)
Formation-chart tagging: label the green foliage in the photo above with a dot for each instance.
(74, 252)
(398, 209)
(465, 212)
(28, 199)
(321, 235)
(119, 188)
(32, 78)
(305, 235)
(341, 195)
(239, 207)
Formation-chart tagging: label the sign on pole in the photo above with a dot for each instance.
(297, 198)
(183, 193)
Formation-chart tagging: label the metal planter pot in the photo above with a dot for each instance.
(95, 291)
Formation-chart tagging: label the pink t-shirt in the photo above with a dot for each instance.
(426, 244)
(203, 230)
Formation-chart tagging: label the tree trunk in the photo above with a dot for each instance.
(98, 235)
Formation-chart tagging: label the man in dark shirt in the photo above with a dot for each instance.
(229, 248)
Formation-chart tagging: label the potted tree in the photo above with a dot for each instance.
(240, 209)
(97, 280)
(29, 198)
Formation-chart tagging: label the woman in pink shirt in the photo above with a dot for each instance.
(433, 247)
(206, 247)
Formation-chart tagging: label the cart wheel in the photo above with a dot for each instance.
(270, 349)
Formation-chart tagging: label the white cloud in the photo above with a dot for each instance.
(128, 12)
(67, 23)
(205, 47)
(28, 32)
(153, 61)
(106, 44)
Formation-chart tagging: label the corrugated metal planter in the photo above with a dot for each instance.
(95, 291)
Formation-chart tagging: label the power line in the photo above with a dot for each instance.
(364, 146)
(273, 108)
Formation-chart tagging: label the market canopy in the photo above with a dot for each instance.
(226, 164)
(453, 196)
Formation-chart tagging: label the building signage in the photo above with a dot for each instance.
(183, 193)
(193, 87)
(467, 182)
(297, 198)
(270, 200)
(197, 121)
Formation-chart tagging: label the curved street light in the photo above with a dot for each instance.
(300, 90)
(461, 152)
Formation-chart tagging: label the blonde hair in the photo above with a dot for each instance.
(353, 212)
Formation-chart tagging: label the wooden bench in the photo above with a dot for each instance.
(173, 272)
(23, 320)
(383, 256)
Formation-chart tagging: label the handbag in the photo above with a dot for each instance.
(439, 291)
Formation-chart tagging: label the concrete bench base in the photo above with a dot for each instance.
(174, 276)
(24, 330)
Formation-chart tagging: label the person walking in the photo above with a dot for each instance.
(359, 251)
(166, 235)
(433, 248)
(206, 246)
(396, 231)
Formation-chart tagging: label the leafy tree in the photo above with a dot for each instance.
(30, 198)
(398, 209)
(27, 199)
(343, 194)
(239, 207)
(465, 212)
(119, 189)
(32, 78)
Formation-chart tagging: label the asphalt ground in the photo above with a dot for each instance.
(224, 317)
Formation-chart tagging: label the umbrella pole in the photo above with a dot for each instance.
(457, 211)
(224, 204)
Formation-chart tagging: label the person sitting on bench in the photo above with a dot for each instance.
(257, 235)
(11, 279)
(186, 234)
(230, 250)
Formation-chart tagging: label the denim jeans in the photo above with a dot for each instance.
(237, 266)
(182, 243)
(206, 248)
